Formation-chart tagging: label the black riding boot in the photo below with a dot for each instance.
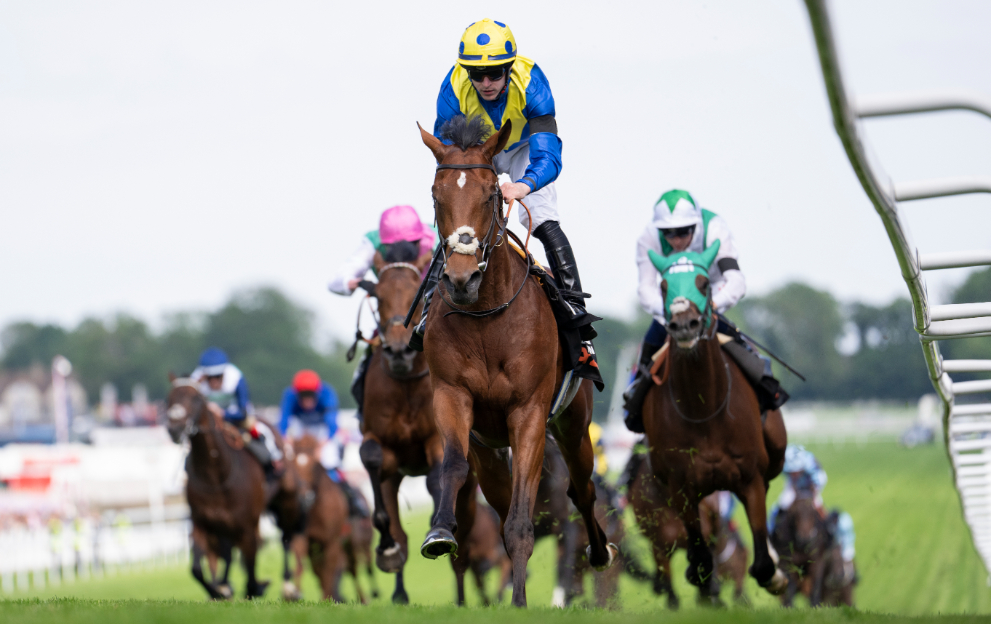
(565, 269)
(636, 392)
(770, 394)
(433, 277)
(358, 382)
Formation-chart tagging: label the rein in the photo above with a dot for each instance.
(722, 406)
(487, 245)
(358, 336)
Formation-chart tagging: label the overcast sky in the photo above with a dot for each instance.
(155, 157)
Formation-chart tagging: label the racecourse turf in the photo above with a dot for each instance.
(913, 551)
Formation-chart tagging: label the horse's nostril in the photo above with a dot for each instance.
(674, 326)
(694, 324)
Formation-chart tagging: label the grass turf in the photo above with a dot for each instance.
(913, 552)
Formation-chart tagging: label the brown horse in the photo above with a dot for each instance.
(486, 553)
(400, 436)
(605, 583)
(704, 424)
(661, 524)
(225, 487)
(801, 537)
(495, 362)
(327, 523)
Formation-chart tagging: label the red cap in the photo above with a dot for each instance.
(306, 381)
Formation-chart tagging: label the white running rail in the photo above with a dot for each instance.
(967, 428)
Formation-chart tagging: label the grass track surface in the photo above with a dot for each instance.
(913, 551)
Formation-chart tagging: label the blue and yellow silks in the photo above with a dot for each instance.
(527, 96)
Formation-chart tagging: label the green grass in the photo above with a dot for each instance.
(913, 551)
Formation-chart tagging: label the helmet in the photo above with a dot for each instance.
(306, 381)
(487, 43)
(676, 209)
(213, 361)
(400, 223)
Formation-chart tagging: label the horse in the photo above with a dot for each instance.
(495, 363)
(327, 523)
(400, 437)
(225, 488)
(661, 524)
(552, 518)
(486, 553)
(840, 576)
(704, 424)
(731, 560)
(802, 539)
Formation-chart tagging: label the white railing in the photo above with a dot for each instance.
(39, 557)
(967, 428)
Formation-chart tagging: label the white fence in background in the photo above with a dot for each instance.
(967, 428)
(42, 556)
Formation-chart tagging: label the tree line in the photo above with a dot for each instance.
(846, 351)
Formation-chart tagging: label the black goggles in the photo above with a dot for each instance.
(478, 74)
(679, 232)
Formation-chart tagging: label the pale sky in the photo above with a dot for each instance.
(154, 157)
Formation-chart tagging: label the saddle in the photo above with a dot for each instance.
(579, 355)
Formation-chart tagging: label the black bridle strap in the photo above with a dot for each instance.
(470, 166)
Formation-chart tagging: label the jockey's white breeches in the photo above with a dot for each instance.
(330, 454)
(542, 202)
(788, 495)
(268, 438)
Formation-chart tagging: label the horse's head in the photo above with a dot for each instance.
(467, 200)
(307, 453)
(182, 407)
(399, 279)
(807, 524)
(687, 294)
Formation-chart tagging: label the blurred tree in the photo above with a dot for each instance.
(26, 344)
(975, 289)
(889, 363)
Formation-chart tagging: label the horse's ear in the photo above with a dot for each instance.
(710, 254)
(422, 262)
(661, 263)
(172, 377)
(497, 141)
(436, 146)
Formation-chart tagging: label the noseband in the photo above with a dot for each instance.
(485, 244)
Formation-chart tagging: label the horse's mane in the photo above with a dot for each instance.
(403, 251)
(465, 132)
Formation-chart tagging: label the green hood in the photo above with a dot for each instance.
(679, 270)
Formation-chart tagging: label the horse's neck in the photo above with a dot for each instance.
(209, 454)
(501, 279)
(699, 380)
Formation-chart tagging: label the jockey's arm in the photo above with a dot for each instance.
(242, 403)
(287, 406)
(728, 284)
(649, 290)
(328, 398)
(353, 269)
(545, 145)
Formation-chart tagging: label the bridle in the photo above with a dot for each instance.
(486, 244)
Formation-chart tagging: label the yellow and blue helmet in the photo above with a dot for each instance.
(487, 43)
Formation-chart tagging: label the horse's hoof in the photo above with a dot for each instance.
(390, 560)
(558, 598)
(225, 591)
(611, 549)
(257, 591)
(400, 597)
(439, 542)
(290, 592)
(778, 583)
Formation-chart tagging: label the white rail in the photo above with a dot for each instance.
(967, 428)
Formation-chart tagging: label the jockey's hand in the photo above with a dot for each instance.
(353, 284)
(514, 190)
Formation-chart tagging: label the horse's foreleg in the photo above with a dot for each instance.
(568, 582)
(464, 511)
(249, 551)
(390, 496)
(571, 431)
(388, 557)
(765, 572)
(453, 412)
(201, 549)
(526, 436)
(700, 562)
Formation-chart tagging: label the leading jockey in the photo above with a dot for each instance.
(398, 226)
(309, 406)
(679, 224)
(226, 391)
(491, 81)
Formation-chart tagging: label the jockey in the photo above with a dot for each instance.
(491, 81)
(805, 477)
(309, 406)
(399, 226)
(225, 389)
(679, 224)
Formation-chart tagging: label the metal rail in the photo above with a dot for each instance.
(967, 428)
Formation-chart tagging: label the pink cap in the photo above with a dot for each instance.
(401, 223)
